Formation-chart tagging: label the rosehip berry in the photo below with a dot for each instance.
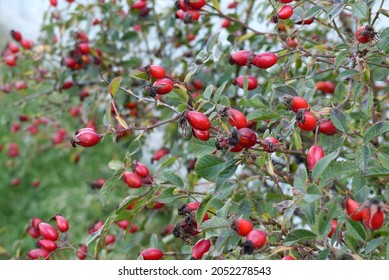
(110, 239)
(48, 245)
(139, 5)
(327, 87)
(292, 43)
(198, 120)
(124, 224)
(82, 252)
(35, 221)
(159, 154)
(373, 215)
(365, 34)
(67, 84)
(242, 226)
(285, 12)
(252, 83)
(54, 3)
(232, 4)
(226, 23)
(288, 258)
(84, 47)
(202, 135)
(254, 239)
(295, 103)
(240, 58)
(264, 60)
(133, 228)
(26, 44)
(315, 153)
(196, 4)
(86, 137)
(163, 86)
(62, 223)
(155, 71)
(15, 182)
(237, 118)
(188, 208)
(152, 254)
(33, 232)
(95, 227)
(305, 120)
(353, 210)
(132, 180)
(70, 62)
(247, 137)
(334, 225)
(140, 169)
(16, 35)
(35, 254)
(98, 183)
(47, 231)
(197, 84)
(158, 205)
(10, 60)
(191, 16)
(285, 1)
(327, 127)
(306, 21)
(200, 248)
(270, 144)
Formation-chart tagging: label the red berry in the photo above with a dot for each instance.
(240, 58)
(133, 228)
(200, 248)
(233, 4)
(139, 5)
(163, 86)
(292, 43)
(140, 169)
(16, 35)
(327, 87)
(196, 4)
(252, 83)
(10, 60)
(296, 102)
(188, 208)
(327, 127)
(365, 34)
(156, 71)
(197, 84)
(285, 1)
(26, 44)
(159, 154)
(269, 144)
(242, 226)
(35, 254)
(82, 251)
(373, 215)
(48, 245)
(86, 137)
(54, 3)
(264, 60)
(124, 224)
(152, 254)
(353, 210)
(237, 118)
(198, 120)
(67, 84)
(314, 154)
(306, 21)
(247, 137)
(47, 231)
(33, 232)
(62, 223)
(110, 239)
(202, 135)
(226, 23)
(288, 258)
(84, 47)
(305, 120)
(285, 12)
(132, 180)
(334, 225)
(70, 62)
(35, 221)
(254, 239)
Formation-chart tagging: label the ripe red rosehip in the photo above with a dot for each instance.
(159, 154)
(16, 35)
(285, 1)
(84, 47)
(198, 120)
(33, 232)
(327, 127)
(132, 180)
(269, 144)
(139, 5)
(152, 254)
(292, 43)
(240, 58)
(237, 118)
(191, 16)
(48, 245)
(54, 3)
(288, 258)
(62, 223)
(82, 252)
(67, 84)
(242, 226)
(306, 21)
(35, 221)
(365, 34)
(315, 153)
(188, 208)
(295, 103)
(202, 135)
(158, 205)
(133, 228)
(86, 137)
(26, 44)
(163, 86)
(35, 254)
(200, 248)
(285, 12)
(247, 137)
(264, 60)
(305, 120)
(353, 210)
(10, 60)
(327, 87)
(226, 23)
(124, 224)
(95, 227)
(334, 224)
(47, 231)
(254, 239)
(155, 71)
(140, 169)
(252, 83)
(196, 4)
(110, 239)
(373, 215)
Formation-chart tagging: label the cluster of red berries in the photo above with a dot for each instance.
(48, 235)
(10, 53)
(189, 10)
(370, 213)
(254, 238)
(139, 176)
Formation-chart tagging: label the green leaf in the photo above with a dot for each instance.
(339, 119)
(334, 11)
(208, 92)
(116, 165)
(114, 86)
(347, 74)
(322, 164)
(376, 130)
(323, 255)
(173, 178)
(325, 217)
(362, 157)
(134, 147)
(313, 193)
(367, 103)
(313, 11)
(300, 179)
(285, 90)
(214, 226)
(203, 208)
(218, 92)
(97, 234)
(298, 236)
(263, 114)
(356, 230)
(216, 4)
(202, 148)
(108, 186)
(373, 244)
(212, 41)
(209, 167)
(377, 172)
(359, 9)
